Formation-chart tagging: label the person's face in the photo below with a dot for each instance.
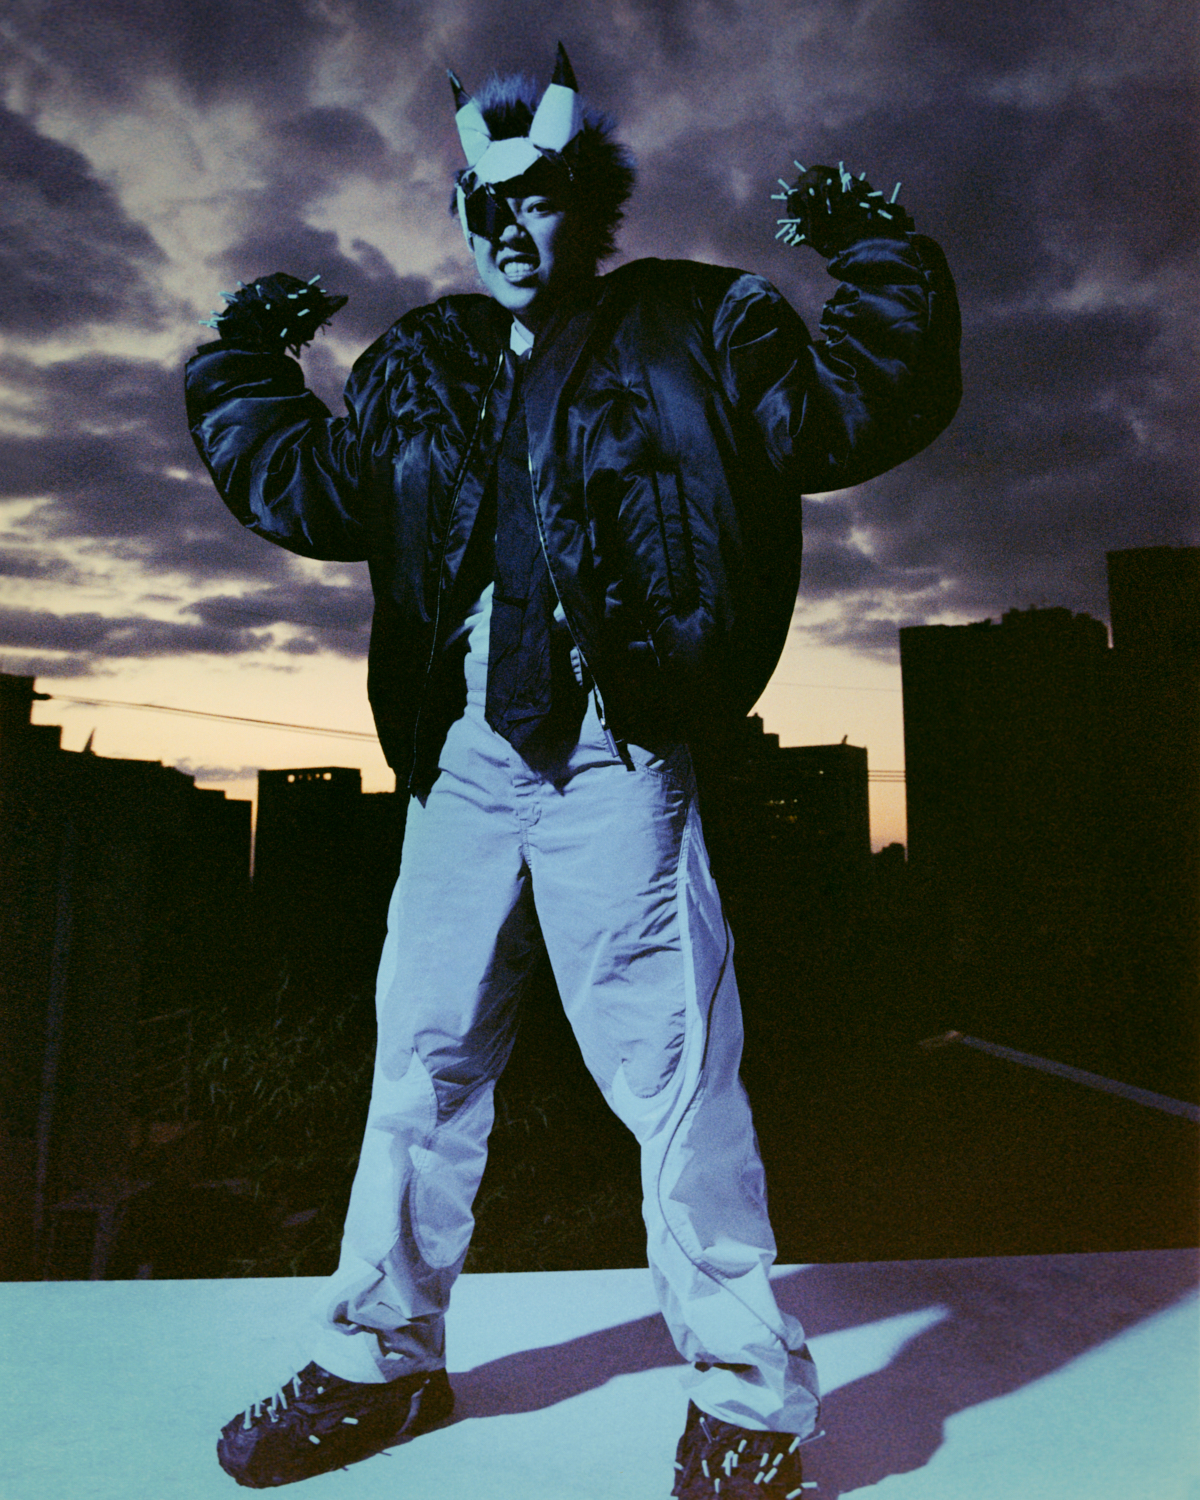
(528, 268)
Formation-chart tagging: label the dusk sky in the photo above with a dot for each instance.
(153, 153)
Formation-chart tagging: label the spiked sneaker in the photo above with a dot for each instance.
(318, 1421)
(715, 1458)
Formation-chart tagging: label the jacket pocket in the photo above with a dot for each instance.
(676, 538)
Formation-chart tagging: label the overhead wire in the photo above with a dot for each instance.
(345, 734)
(199, 713)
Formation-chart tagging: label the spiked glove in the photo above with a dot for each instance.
(830, 209)
(274, 313)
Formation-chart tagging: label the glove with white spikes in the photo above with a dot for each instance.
(274, 313)
(829, 209)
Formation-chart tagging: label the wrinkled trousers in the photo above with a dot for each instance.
(600, 856)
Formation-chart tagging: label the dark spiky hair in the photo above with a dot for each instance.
(602, 170)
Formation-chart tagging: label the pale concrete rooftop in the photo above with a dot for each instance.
(1065, 1377)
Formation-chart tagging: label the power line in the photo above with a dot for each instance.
(344, 734)
(197, 713)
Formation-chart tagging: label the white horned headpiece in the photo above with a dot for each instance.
(556, 122)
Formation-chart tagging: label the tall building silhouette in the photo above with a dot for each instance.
(304, 839)
(1152, 780)
(1054, 817)
(1002, 741)
(780, 819)
(1154, 600)
(325, 861)
(122, 886)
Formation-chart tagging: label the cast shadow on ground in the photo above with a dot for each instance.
(996, 1325)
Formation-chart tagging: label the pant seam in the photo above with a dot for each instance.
(700, 1264)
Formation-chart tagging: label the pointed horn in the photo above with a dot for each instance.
(472, 128)
(460, 94)
(564, 73)
(559, 114)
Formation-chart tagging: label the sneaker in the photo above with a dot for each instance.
(318, 1421)
(717, 1458)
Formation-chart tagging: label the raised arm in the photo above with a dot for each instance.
(284, 466)
(885, 379)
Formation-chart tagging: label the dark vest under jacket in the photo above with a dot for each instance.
(676, 412)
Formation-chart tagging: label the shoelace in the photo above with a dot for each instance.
(278, 1402)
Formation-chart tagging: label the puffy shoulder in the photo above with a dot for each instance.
(683, 282)
(464, 323)
(446, 340)
(721, 303)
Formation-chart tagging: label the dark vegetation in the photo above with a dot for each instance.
(875, 1147)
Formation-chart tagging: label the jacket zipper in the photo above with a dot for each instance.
(441, 565)
(616, 746)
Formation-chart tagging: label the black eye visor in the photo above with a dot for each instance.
(488, 214)
(486, 205)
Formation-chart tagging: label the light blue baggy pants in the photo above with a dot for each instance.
(603, 859)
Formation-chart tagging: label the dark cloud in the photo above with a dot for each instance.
(993, 38)
(323, 618)
(1026, 199)
(94, 635)
(328, 144)
(1123, 165)
(33, 563)
(284, 242)
(1062, 222)
(1030, 355)
(334, 619)
(104, 463)
(833, 570)
(26, 664)
(115, 472)
(1051, 150)
(120, 479)
(69, 255)
(103, 499)
(216, 773)
(864, 631)
(213, 49)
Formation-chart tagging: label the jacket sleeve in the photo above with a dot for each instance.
(283, 465)
(879, 387)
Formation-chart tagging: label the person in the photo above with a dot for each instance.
(579, 498)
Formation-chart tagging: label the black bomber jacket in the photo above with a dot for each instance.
(676, 414)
